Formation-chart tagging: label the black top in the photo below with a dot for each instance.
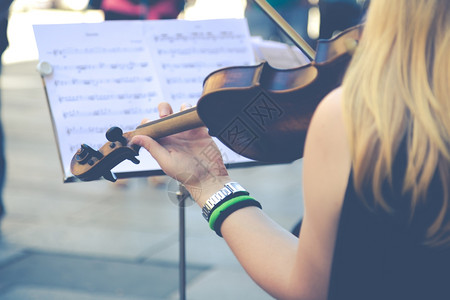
(4, 13)
(380, 255)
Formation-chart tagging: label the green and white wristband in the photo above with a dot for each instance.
(223, 203)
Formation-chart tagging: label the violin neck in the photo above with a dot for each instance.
(175, 123)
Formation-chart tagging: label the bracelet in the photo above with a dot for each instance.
(230, 190)
(227, 208)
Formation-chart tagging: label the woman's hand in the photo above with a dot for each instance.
(190, 157)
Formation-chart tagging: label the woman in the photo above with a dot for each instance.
(376, 174)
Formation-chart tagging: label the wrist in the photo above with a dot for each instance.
(205, 189)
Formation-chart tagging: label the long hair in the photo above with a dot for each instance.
(396, 88)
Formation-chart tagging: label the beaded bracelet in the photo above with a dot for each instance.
(219, 214)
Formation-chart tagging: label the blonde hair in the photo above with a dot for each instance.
(398, 87)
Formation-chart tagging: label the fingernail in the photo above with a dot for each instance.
(164, 111)
(185, 106)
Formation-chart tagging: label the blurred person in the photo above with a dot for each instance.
(139, 9)
(4, 16)
(376, 174)
(295, 12)
(338, 15)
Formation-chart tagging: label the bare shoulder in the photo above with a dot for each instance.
(327, 157)
(329, 111)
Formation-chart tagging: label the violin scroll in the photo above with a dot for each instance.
(88, 164)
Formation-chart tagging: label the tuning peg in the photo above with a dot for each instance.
(85, 153)
(110, 176)
(134, 160)
(115, 134)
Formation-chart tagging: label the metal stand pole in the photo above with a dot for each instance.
(182, 195)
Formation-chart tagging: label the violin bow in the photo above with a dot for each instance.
(286, 28)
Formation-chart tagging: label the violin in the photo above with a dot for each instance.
(259, 112)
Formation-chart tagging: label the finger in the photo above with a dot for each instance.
(145, 121)
(164, 109)
(185, 106)
(152, 146)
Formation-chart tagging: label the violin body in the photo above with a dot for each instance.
(259, 112)
(259, 120)
(263, 113)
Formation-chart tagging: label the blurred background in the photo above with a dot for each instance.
(304, 16)
(25, 13)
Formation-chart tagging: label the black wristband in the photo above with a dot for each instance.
(237, 194)
(229, 210)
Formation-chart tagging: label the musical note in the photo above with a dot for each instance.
(197, 36)
(108, 112)
(71, 51)
(105, 81)
(131, 65)
(107, 97)
(201, 51)
(184, 80)
(86, 130)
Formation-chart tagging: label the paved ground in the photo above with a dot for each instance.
(99, 241)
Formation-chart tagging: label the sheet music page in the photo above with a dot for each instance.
(115, 73)
(278, 55)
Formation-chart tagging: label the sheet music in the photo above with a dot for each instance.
(115, 73)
